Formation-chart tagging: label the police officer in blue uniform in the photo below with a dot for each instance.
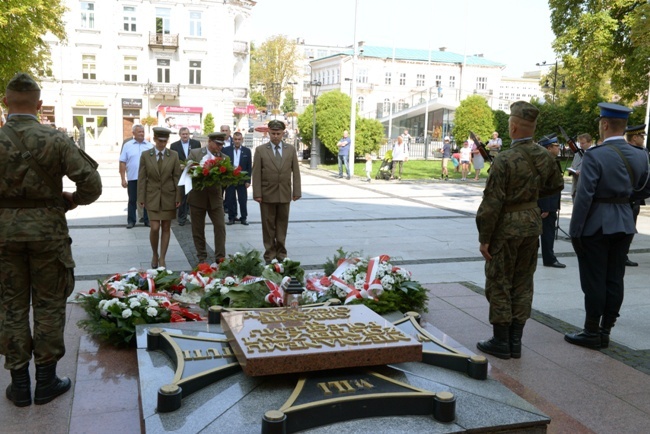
(602, 225)
(549, 207)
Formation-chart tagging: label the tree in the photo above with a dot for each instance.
(368, 136)
(23, 23)
(273, 64)
(599, 42)
(258, 100)
(473, 114)
(149, 121)
(289, 103)
(501, 122)
(208, 124)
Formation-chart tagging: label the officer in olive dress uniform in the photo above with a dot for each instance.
(602, 223)
(159, 193)
(509, 224)
(276, 182)
(36, 265)
(208, 201)
(549, 207)
(635, 136)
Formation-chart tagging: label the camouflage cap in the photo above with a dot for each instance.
(524, 110)
(22, 82)
(276, 125)
(218, 138)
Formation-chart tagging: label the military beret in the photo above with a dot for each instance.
(548, 140)
(276, 125)
(219, 138)
(611, 110)
(524, 110)
(22, 82)
(636, 129)
(161, 133)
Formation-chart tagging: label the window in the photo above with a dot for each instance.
(163, 70)
(481, 83)
(420, 80)
(88, 67)
(163, 21)
(306, 101)
(360, 103)
(195, 72)
(362, 76)
(87, 15)
(130, 68)
(129, 19)
(386, 105)
(195, 23)
(321, 53)
(388, 78)
(402, 78)
(452, 81)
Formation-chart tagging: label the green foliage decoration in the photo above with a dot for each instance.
(208, 124)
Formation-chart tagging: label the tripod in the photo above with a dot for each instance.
(558, 229)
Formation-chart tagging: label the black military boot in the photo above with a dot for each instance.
(499, 344)
(48, 385)
(606, 324)
(20, 391)
(516, 332)
(589, 337)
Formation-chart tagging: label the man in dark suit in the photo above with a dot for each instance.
(240, 156)
(602, 224)
(208, 201)
(549, 207)
(276, 182)
(183, 148)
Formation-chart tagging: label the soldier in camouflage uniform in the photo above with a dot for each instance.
(36, 262)
(509, 224)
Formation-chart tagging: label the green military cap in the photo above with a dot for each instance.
(524, 110)
(276, 125)
(22, 82)
(161, 133)
(218, 138)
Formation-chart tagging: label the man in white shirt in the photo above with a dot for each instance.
(129, 166)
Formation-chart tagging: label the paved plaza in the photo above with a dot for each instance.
(428, 228)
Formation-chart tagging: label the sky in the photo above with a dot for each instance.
(516, 33)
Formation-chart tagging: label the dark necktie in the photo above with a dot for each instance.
(278, 156)
(160, 158)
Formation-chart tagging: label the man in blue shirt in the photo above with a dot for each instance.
(344, 154)
(129, 166)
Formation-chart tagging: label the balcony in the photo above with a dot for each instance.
(164, 90)
(240, 47)
(163, 41)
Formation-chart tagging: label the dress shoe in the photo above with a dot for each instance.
(141, 220)
(147, 224)
(584, 339)
(629, 263)
(230, 222)
(130, 225)
(244, 222)
(556, 264)
(182, 223)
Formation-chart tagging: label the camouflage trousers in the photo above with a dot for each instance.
(41, 272)
(509, 279)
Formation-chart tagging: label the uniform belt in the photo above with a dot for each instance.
(520, 206)
(30, 203)
(611, 200)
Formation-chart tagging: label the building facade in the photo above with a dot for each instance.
(125, 61)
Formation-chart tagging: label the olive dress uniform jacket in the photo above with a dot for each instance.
(274, 182)
(159, 190)
(209, 197)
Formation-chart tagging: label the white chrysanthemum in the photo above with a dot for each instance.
(212, 285)
(102, 303)
(387, 282)
(229, 281)
(152, 312)
(238, 254)
(359, 284)
(286, 260)
(340, 293)
(134, 303)
(121, 305)
(309, 297)
(152, 303)
(126, 313)
(274, 261)
(224, 290)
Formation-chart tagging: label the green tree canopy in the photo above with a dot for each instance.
(258, 100)
(603, 41)
(273, 64)
(368, 136)
(23, 23)
(501, 122)
(289, 104)
(208, 124)
(473, 114)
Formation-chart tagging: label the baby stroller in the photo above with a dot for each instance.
(386, 167)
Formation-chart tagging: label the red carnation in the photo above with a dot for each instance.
(237, 171)
(206, 172)
(222, 169)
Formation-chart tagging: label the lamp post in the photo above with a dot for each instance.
(546, 86)
(314, 159)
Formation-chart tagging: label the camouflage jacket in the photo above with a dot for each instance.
(58, 156)
(509, 206)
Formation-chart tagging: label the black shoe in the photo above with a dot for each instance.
(555, 264)
(130, 225)
(147, 224)
(244, 222)
(584, 339)
(48, 385)
(181, 223)
(141, 220)
(629, 263)
(348, 178)
(230, 222)
(499, 344)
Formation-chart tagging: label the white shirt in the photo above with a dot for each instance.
(131, 156)
(236, 153)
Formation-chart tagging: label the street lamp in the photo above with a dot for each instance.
(546, 86)
(314, 159)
